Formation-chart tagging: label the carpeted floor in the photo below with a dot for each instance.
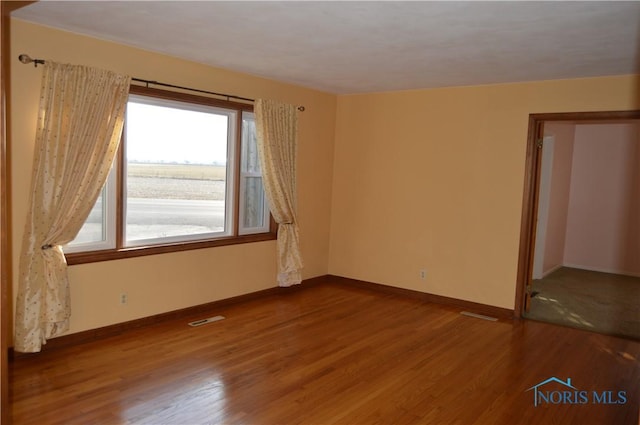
(599, 302)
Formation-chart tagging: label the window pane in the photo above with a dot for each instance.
(97, 232)
(176, 172)
(250, 162)
(254, 212)
(93, 229)
(253, 202)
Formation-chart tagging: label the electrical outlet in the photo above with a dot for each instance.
(423, 274)
(123, 298)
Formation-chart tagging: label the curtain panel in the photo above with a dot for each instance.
(276, 127)
(79, 125)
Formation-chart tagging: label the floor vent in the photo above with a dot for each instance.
(205, 321)
(478, 316)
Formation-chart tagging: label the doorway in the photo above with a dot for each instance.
(579, 262)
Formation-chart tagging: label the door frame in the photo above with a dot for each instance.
(531, 190)
(6, 7)
(544, 197)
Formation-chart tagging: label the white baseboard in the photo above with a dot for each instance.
(601, 270)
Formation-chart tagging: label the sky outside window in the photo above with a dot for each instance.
(159, 134)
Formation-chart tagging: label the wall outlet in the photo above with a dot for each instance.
(124, 298)
(423, 274)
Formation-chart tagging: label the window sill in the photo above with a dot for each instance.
(140, 251)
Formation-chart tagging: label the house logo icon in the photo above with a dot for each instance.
(563, 392)
(537, 392)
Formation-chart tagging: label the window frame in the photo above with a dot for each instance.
(109, 196)
(121, 249)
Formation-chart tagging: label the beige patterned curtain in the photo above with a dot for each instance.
(78, 131)
(276, 127)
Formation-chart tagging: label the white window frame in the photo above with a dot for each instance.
(232, 140)
(109, 202)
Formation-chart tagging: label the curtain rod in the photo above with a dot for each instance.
(26, 59)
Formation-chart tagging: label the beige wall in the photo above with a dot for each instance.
(419, 179)
(434, 179)
(161, 283)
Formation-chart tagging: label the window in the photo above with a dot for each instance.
(97, 233)
(187, 176)
(254, 212)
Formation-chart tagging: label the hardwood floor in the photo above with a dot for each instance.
(329, 354)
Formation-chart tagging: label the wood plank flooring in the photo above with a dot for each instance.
(328, 354)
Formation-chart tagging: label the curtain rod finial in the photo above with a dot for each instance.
(301, 108)
(25, 58)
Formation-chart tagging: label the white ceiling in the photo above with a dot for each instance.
(357, 47)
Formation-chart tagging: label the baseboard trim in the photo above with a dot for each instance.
(601, 270)
(120, 328)
(484, 309)
(551, 270)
